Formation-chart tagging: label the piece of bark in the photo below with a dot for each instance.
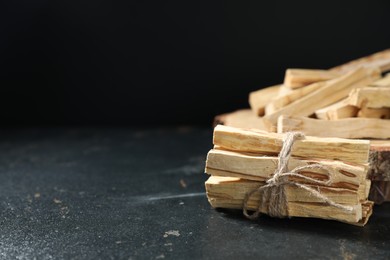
(261, 142)
(243, 118)
(297, 78)
(370, 97)
(343, 128)
(380, 59)
(332, 91)
(283, 100)
(261, 168)
(382, 113)
(379, 160)
(338, 110)
(227, 192)
(260, 98)
(380, 191)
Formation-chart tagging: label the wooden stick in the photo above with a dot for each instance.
(370, 97)
(343, 128)
(380, 59)
(338, 110)
(362, 190)
(259, 99)
(382, 113)
(343, 108)
(226, 192)
(243, 118)
(283, 100)
(236, 139)
(331, 92)
(294, 194)
(297, 78)
(261, 168)
(382, 82)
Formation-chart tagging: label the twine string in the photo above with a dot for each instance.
(272, 196)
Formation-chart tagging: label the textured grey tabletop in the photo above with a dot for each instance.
(139, 194)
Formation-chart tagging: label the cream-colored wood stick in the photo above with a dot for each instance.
(294, 194)
(333, 91)
(362, 189)
(382, 113)
(236, 139)
(297, 78)
(257, 167)
(382, 82)
(338, 110)
(227, 192)
(283, 100)
(260, 98)
(370, 97)
(343, 128)
(243, 118)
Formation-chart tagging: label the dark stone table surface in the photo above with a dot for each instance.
(132, 193)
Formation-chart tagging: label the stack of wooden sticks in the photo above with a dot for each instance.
(243, 160)
(348, 101)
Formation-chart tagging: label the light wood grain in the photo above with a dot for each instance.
(257, 167)
(243, 118)
(297, 78)
(382, 113)
(260, 98)
(370, 97)
(227, 192)
(382, 82)
(333, 91)
(343, 128)
(338, 110)
(283, 100)
(236, 139)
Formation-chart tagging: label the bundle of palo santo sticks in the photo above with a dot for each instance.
(348, 101)
(312, 182)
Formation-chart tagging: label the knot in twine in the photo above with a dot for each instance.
(273, 195)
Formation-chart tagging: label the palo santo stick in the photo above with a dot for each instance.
(343, 108)
(283, 100)
(283, 90)
(383, 82)
(236, 139)
(380, 59)
(227, 192)
(338, 110)
(343, 128)
(261, 168)
(360, 190)
(297, 78)
(382, 113)
(259, 99)
(331, 92)
(370, 97)
(244, 118)
(294, 194)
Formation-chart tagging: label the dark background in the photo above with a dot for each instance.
(167, 62)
